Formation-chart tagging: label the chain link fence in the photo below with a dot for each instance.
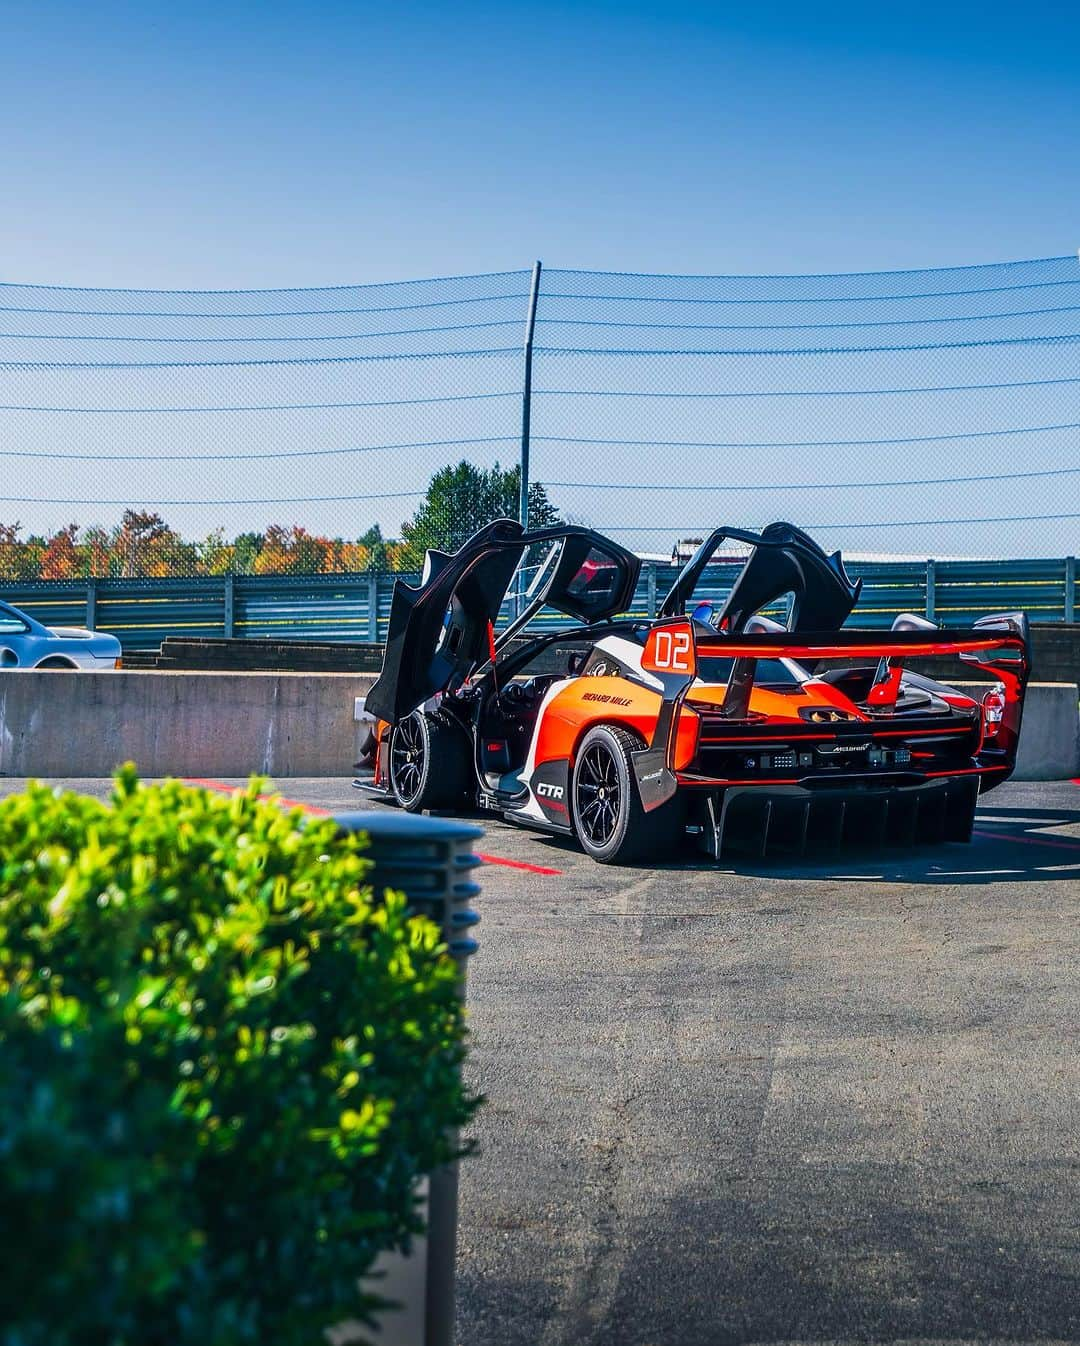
(894, 414)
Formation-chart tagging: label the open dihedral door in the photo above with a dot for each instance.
(439, 633)
(783, 559)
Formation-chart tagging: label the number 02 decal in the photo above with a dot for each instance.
(670, 649)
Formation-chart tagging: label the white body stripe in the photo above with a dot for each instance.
(532, 809)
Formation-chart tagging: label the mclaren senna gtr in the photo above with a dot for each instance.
(709, 724)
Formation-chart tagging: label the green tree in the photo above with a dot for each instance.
(373, 540)
(215, 555)
(463, 498)
(246, 551)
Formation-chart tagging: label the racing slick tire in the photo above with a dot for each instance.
(430, 766)
(609, 819)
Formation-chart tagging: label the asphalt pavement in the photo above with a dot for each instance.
(827, 1103)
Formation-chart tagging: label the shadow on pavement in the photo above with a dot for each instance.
(810, 1258)
(1020, 842)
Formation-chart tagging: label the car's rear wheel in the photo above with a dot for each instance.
(63, 665)
(430, 765)
(609, 818)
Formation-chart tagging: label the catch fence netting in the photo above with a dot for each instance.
(914, 413)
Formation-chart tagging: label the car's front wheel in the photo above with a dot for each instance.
(609, 818)
(430, 766)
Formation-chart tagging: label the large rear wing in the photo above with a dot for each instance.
(674, 647)
(1000, 644)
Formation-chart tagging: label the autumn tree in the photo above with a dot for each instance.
(19, 560)
(63, 558)
(292, 551)
(133, 542)
(99, 555)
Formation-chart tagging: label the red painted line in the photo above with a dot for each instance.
(1076, 780)
(210, 784)
(316, 812)
(516, 864)
(313, 810)
(1057, 843)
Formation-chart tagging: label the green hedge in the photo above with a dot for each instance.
(223, 1066)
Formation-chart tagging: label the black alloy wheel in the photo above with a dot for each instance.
(430, 762)
(598, 795)
(408, 760)
(609, 818)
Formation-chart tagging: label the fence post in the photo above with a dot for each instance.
(526, 418)
(230, 606)
(1070, 589)
(91, 604)
(931, 590)
(526, 396)
(373, 608)
(650, 587)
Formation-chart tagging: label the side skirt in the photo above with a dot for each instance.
(528, 820)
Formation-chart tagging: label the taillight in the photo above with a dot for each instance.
(118, 663)
(993, 710)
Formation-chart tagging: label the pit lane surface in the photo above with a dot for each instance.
(833, 1102)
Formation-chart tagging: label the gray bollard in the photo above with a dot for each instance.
(430, 860)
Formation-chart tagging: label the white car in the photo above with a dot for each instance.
(25, 643)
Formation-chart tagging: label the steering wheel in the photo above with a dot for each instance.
(521, 693)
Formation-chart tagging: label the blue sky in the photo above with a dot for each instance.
(242, 145)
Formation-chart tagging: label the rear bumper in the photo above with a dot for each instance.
(766, 819)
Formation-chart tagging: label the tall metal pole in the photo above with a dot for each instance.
(526, 415)
(526, 397)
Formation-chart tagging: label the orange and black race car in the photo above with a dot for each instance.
(716, 725)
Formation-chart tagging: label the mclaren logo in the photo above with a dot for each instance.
(831, 748)
(546, 791)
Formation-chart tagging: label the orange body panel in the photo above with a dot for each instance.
(777, 706)
(614, 700)
(607, 700)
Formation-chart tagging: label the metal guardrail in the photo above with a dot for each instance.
(355, 608)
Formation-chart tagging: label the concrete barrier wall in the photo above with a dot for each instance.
(1049, 732)
(294, 724)
(179, 724)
